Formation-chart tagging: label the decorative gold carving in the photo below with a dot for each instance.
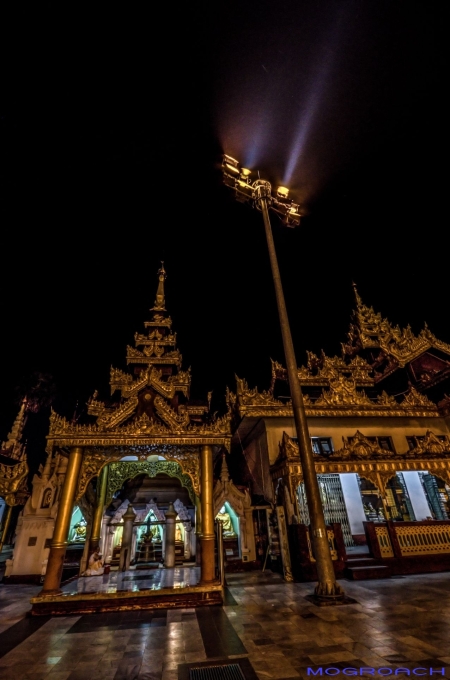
(414, 399)
(13, 447)
(320, 370)
(343, 398)
(288, 449)
(13, 486)
(187, 457)
(158, 321)
(118, 473)
(385, 399)
(359, 448)
(90, 467)
(370, 330)
(430, 445)
(246, 395)
(343, 392)
(177, 423)
(165, 389)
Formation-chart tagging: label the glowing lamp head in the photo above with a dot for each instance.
(282, 192)
(245, 172)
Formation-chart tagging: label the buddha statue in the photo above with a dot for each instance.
(225, 519)
(79, 531)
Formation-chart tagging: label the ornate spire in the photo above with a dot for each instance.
(224, 473)
(160, 302)
(13, 443)
(358, 300)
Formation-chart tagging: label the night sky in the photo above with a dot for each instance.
(112, 126)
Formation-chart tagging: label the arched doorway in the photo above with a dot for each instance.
(150, 498)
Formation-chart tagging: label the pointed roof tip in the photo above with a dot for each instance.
(160, 301)
(357, 295)
(224, 472)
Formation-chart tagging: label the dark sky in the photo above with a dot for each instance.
(112, 125)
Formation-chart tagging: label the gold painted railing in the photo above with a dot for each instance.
(423, 539)
(384, 541)
(408, 539)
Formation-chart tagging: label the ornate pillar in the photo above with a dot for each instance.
(206, 500)
(94, 540)
(198, 531)
(169, 554)
(58, 546)
(6, 523)
(127, 538)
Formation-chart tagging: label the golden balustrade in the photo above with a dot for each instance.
(384, 541)
(423, 539)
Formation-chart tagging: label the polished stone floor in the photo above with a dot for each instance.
(266, 624)
(134, 580)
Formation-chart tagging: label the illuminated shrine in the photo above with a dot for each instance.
(154, 486)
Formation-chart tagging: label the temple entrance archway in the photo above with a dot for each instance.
(150, 497)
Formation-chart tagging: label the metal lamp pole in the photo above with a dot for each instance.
(327, 589)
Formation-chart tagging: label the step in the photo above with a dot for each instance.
(367, 572)
(363, 562)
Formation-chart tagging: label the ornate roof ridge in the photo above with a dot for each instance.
(371, 330)
(342, 398)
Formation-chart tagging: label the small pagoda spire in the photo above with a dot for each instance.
(160, 302)
(359, 302)
(224, 473)
(13, 442)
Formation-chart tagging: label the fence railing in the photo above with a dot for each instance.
(408, 539)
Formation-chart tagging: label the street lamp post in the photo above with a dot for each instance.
(259, 193)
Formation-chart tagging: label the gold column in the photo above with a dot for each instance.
(59, 541)
(207, 541)
(6, 523)
(198, 530)
(102, 482)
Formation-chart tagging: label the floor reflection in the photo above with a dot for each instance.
(134, 581)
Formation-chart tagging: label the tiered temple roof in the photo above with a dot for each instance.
(383, 370)
(151, 399)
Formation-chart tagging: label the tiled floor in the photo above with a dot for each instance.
(396, 623)
(139, 579)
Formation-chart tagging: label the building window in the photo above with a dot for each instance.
(382, 442)
(413, 441)
(322, 445)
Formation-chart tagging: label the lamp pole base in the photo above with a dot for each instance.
(330, 600)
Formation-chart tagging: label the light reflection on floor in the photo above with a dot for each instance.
(135, 580)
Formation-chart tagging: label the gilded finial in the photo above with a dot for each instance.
(160, 302)
(224, 473)
(357, 296)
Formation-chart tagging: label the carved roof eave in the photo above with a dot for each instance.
(160, 361)
(430, 448)
(259, 411)
(103, 440)
(163, 322)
